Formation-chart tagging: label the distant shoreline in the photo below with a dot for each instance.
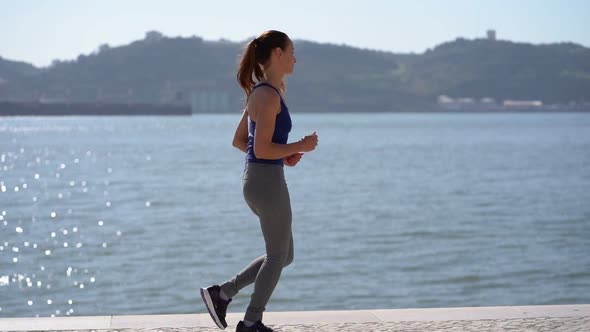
(94, 109)
(143, 109)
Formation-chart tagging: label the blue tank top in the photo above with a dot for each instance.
(280, 135)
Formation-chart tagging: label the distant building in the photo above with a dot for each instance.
(522, 103)
(492, 35)
(153, 36)
(209, 101)
(450, 103)
(467, 103)
(202, 96)
(444, 99)
(51, 100)
(465, 100)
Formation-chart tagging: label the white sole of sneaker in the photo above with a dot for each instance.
(209, 304)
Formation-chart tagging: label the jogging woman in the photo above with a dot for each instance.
(262, 133)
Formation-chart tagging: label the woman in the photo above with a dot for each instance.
(262, 134)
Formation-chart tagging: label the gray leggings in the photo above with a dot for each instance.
(265, 191)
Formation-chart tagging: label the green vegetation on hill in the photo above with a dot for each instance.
(328, 77)
(503, 70)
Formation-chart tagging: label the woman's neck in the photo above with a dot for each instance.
(273, 78)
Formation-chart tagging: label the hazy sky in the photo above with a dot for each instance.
(39, 31)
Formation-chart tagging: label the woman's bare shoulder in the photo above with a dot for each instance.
(264, 97)
(264, 93)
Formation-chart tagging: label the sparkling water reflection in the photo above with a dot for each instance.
(132, 215)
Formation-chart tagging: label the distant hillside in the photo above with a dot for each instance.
(12, 76)
(328, 77)
(502, 70)
(13, 70)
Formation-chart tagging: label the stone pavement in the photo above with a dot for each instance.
(553, 318)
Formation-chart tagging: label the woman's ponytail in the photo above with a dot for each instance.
(248, 68)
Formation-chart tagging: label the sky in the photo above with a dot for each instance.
(39, 31)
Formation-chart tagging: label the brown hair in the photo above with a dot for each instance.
(257, 53)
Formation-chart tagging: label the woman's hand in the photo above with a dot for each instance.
(293, 159)
(309, 142)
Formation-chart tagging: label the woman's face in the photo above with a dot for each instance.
(287, 58)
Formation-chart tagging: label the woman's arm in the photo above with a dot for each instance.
(241, 135)
(264, 103)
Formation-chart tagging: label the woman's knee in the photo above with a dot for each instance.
(284, 259)
(288, 259)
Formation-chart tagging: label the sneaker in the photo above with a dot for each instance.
(257, 327)
(216, 306)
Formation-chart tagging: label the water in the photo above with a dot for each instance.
(131, 215)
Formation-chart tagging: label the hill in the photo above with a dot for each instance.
(328, 77)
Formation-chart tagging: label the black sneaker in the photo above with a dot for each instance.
(216, 306)
(257, 327)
